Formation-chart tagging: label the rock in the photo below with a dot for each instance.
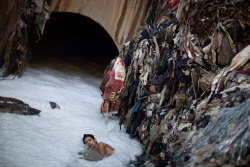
(12, 105)
(53, 105)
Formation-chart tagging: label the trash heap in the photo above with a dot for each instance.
(31, 23)
(182, 84)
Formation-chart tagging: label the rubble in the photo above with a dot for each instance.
(186, 90)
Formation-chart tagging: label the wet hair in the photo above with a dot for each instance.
(88, 135)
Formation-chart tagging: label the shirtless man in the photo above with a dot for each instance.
(102, 148)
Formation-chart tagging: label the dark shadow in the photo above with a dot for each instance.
(73, 36)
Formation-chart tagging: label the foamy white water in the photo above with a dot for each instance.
(54, 138)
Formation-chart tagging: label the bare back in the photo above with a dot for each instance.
(104, 148)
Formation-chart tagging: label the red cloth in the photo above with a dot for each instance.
(221, 88)
(173, 4)
(112, 86)
(105, 81)
(244, 71)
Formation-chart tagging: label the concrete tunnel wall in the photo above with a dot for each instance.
(71, 35)
(120, 18)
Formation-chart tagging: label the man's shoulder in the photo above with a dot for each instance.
(100, 144)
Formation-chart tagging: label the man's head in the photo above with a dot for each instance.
(89, 140)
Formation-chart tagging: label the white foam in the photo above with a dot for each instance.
(54, 138)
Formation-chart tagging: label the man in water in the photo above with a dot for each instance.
(102, 148)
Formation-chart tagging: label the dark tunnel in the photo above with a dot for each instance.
(74, 36)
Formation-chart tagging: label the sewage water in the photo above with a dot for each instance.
(91, 155)
(54, 138)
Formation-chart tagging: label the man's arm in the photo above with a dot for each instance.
(109, 149)
(101, 148)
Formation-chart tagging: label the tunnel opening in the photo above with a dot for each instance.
(74, 38)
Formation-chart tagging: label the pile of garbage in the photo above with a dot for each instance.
(182, 85)
(31, 23)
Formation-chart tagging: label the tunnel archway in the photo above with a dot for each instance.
(71, 35)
